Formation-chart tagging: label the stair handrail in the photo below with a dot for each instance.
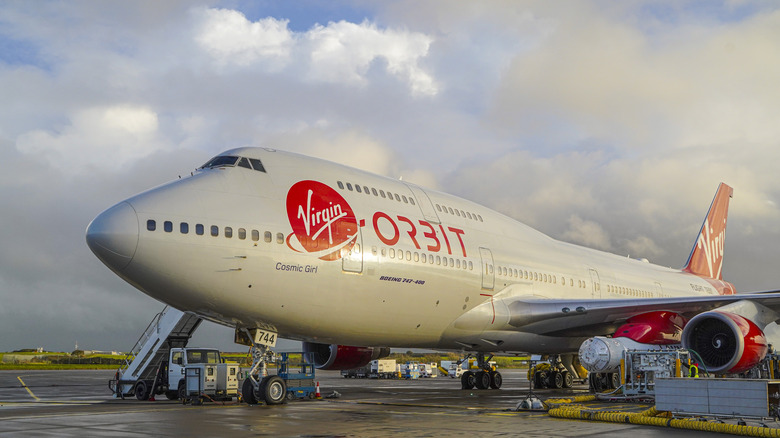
(154, 325)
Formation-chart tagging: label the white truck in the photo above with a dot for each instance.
(168, 377)
(383, 369)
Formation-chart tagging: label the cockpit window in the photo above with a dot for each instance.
(232, 161)
(220, 161)
(243, 162)
(257, 164)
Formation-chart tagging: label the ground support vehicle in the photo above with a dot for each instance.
(298, 376)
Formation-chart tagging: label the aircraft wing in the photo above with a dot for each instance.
(603, 316)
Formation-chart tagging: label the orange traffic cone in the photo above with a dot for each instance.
(317, 393)
(151, 398)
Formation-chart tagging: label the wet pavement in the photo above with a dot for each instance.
(79, 403)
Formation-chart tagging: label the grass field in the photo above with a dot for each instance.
(64, 361)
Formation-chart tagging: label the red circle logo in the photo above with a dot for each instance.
(323, 223)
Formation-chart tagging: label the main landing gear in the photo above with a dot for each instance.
(485, 378)
(558, 372)
(259, 387)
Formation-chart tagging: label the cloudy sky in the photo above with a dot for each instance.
(607, 124)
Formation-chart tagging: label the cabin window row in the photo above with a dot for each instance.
(629, 291)
(378, 193)
(536, 276)
(215, 230)
(459, 213)
(430, 259)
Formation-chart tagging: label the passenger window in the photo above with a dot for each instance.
(373, 190)
(471, 266)
(214, 230)
(480, 217)
(424, 258)
(382, 193)
(468, 214)
(168, 226)
(199, 229)
(408, 255)
(411, 201)
(279, 238)
(438, 207)
(416, 257)
(392, 253)
(444, 261)
(255, 235)
(184, 227)
(341, 185)
(349, 187)
(390, 196)
(406, 201)
(438, 260)
(450, 210)
(397, 198)
(457, 213)
(243, 162)
(228, 232)
(457, 263)
(366, 191)
(151, 225)
(357, 187)
(241, 233)
(267, 236)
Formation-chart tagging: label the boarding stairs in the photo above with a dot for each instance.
(171, 328)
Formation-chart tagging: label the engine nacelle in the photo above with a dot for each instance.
(602, 355)
(725, 342)
(343, 357)
(659, 328)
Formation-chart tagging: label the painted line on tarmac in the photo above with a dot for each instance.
(24, 385)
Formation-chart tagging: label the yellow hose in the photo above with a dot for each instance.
(650, 418)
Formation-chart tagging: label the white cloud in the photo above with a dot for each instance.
(340, 52)
(587, 233)
(105, 137)
(344, 51)
(232, 39)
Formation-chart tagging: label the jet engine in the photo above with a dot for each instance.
(725, 342)
(343, 357)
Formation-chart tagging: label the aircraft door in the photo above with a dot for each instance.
(488, 273)
(426, 206)
(594, 278)
(352, 260)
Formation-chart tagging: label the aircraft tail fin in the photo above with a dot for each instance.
(706, 259)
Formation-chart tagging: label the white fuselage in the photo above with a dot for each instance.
(418, 275)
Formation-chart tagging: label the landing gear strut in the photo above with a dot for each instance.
(485, 378)
(259, 386)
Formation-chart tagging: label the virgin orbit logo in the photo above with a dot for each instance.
(323, 223)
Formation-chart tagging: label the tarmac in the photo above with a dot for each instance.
(78, 403)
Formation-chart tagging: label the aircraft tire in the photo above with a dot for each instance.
(172, 395)
(248, 392)
(556, 380)
(614, 380)
(482, 380)
(273, 390)
(568, 379)
(468, 380)
(496, 380)
(540, 379)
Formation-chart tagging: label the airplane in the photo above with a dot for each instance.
(277, 244)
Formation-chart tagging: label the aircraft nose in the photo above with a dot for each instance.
(113, 235)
